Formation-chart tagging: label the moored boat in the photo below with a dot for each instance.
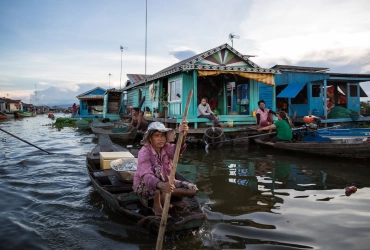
(105, 123)
(24, 114)
(185, 214)
(3, 116)
(355, 148)
(82, 124)
(120, 135)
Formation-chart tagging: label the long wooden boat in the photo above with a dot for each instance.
(24, 114)
(3, 116)
(354, 149)
(186, 213)
(83, 124)
(100, 124)
(117, 134)
(7, 115)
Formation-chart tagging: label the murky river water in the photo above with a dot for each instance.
(254, 199)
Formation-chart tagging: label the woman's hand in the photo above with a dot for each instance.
(166, 187)
(183, 127)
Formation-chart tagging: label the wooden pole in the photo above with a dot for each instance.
(162, 227)
(24, 140)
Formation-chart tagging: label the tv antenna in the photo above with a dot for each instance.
(231, 37)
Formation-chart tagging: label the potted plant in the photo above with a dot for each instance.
(162, 98)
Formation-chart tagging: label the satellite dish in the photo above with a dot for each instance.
(231, 37)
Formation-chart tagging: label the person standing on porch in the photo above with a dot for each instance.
(74, 109)
(204, 111)
(264, 115)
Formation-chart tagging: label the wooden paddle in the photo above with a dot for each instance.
(24, 141)
(181, 138)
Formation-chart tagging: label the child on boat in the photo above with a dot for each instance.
(151, 180)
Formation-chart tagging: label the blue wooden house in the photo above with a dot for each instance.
(91, 103)
(313, 90)
(229, 79)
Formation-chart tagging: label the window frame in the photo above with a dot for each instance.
(172, 97)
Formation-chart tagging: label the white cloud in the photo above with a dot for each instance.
(293, 29)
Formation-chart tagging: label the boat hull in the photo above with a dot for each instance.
(357, 150)
(24, 114)
(186, 213)
(123, 137)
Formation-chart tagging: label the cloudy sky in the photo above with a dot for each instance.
(66, 44)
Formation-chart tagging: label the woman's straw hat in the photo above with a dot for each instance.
(158, 126)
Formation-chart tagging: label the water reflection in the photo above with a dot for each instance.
(253, 200)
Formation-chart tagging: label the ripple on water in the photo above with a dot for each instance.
(252, 200)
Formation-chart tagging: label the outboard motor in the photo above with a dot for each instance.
(312, 122)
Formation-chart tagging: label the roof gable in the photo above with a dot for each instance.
(95, 91)
(224, 57)
(197, 62)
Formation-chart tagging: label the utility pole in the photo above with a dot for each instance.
(109, 80)
(120, 78)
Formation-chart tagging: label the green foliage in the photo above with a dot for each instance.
(365, 107)
(163, 98)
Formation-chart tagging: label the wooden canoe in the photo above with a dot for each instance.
(120, 135)
(98, 124)
(24, 114)
(186, 213)
(359, 149)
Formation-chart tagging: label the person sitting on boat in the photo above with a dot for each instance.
(263, 115)
(151, 180)
(138, 120)
(204, 111)
(283, 128)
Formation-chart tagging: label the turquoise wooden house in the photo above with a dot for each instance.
(91, 103)
(313, 90)
(228, 78)
(114, 104)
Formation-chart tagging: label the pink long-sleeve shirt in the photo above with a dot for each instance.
(148, 157)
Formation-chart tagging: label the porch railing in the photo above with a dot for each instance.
(174, 108)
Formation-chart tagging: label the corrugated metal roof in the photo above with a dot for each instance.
(300, 68)
(91, 90)
(10, 100)
(136, 77)
(366, 76)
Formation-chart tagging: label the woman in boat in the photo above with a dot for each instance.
(283, 128)
(151, 180)
(264, 115)
(138, 120)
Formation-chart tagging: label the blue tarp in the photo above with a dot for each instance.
(291, 90)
